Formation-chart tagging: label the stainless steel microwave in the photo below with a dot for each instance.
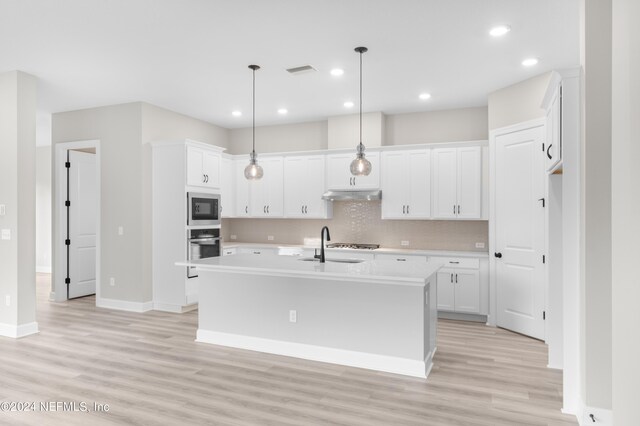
(203, 209)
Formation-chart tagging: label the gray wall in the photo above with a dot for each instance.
(517, 103)
(43, 209)
(437, 126)
(626, 210)
(17, 193)
(596, 306)
(281, 138)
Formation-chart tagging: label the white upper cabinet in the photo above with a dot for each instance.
(406, 184)
(267, 194)
(456, 183)
(242, 189)
(227, 188)
(553, 144)
(304, 184)
(339, 174)
(203, 167)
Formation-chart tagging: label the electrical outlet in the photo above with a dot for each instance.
(6, 234)
(112, 282)
(234, 237)
(479, 245)
(120, 230)
(404, 243)
(270, 237)
(293, 316)
(3, 210)
(7, 300)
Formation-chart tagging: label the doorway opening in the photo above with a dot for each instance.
(76, 267)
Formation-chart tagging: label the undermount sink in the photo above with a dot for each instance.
(313, 259)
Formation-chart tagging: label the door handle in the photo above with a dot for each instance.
(548, 148)
(498, 255)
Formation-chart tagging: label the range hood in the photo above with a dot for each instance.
(352, 195)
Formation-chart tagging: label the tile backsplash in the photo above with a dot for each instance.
(360, 222)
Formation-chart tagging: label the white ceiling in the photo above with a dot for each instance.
(192, 56)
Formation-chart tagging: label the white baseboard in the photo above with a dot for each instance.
(602, 416)
(390, 364)
(124, 305)
(17, 331)
(52, 296)
(170, 307)
(43, 269)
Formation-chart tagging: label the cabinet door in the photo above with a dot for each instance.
(418, 199)
(296, 178)
(469, 181)
(553, 148)
(312, 183)
(273, 186)
(444, 183)
(195, 167)
(446, 290)
(211, 169)
(338, 174)
(227, 189)
(394, 185)
(467, 291)
(241, 186)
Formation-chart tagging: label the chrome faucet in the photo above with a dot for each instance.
(322, 232)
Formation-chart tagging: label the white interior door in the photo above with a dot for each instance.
(519, 222)
(83, 196)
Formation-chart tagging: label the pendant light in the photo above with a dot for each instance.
(360, 166)
(253, 171)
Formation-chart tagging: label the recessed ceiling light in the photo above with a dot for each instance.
(529, 62)
(500, 30)
(337, 72)
(236, 113)
(348, 104)
(425, 96)
(282, 111)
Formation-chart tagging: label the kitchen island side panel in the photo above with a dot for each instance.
(382, 319)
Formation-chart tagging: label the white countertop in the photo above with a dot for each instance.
(373, 271)
(383, 250)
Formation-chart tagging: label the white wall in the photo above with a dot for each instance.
(517, 103)
(625, 205)
(17, 193)
(437, 126)
(596, 184)
(43, 209)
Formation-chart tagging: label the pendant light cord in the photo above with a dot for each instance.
(253, 150)
(361, 98)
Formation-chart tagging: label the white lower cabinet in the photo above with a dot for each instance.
(402, 257)
(459, 290)
(256, 250)
(229, 251)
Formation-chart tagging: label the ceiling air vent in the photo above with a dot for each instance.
(301, 70)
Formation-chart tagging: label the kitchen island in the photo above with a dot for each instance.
(378, 315)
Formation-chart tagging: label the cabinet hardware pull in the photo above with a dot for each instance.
(246, 209)
(452, 278)
(456, 278)
(404, 209)
(458, 208)
(267, 209)
(256, 252)
(301, 209)
(407, 208)
(306, 209)
(454, 262)
(454, 209)
(401, 259)
(548, 148)
(264, 209)
(204, 178)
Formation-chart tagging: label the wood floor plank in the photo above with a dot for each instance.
(150, 371)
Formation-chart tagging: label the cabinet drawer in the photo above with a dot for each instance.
(458, 262)
(401, 257)
(347, 254)
(229, 251)
(257, 251)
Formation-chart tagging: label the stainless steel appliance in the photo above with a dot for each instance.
(202, 244)
(357, 246)
(203, 209)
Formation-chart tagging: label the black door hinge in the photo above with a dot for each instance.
(67, 280)
(544, 259)
(544, 315)
(67, 165)
(67, 203)
(543, 201)
(67, 242)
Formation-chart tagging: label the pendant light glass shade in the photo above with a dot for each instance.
(253, 171)
(360, 166)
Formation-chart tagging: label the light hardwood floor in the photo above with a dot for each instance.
(150, 371)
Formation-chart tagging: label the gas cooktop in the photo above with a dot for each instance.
(354, 246)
